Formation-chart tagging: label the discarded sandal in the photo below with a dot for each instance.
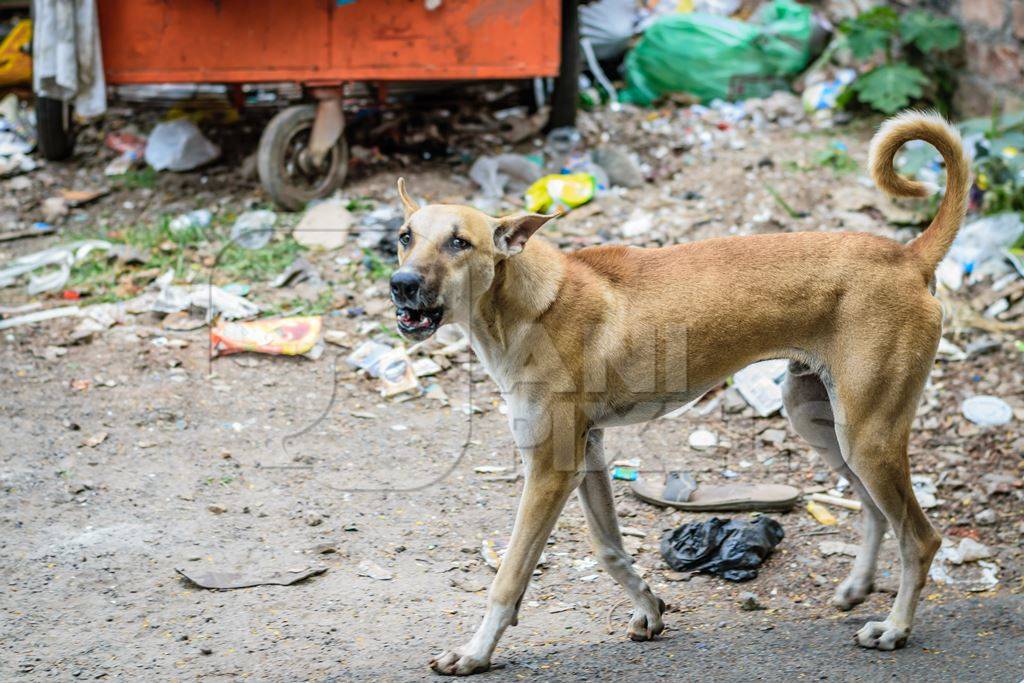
(681, 491)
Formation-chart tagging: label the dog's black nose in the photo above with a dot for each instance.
(405, 286)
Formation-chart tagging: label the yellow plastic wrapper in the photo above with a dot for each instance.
(821, 513)
(566, 191)
(280, 336)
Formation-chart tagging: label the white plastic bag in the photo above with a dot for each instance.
(179, 146)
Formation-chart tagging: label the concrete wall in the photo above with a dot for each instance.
(993, 63)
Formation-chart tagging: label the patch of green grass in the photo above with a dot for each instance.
(258, 264)
(378, 270)
(836, 157)
(187, 251)
(360, 204)
(322, 305)
(143, 178)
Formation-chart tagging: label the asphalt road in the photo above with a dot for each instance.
(978, 639)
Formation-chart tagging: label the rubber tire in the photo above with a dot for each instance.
(567, 85)
(270, 155)
(55, 135)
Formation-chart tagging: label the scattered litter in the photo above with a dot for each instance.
(491, 469)
(965, 566)
(198, 219)
(847, 503)
(210, 298)
(336, 337)
(62, 257)
(396, 373)
(425, 367)
(821, 513)
(619, 165)
(981, 242)
(828, 548)
(324, 225)
(38, 229)
(639, 223)
(279, 336)
(126, 144)
(987, 410)
(564, 191)
(760, 385)
(489, 552)
(716, 57)
(730, 548)
(561, 607)
(950, 351)
(54, 209)
(436, 392)
(298, 272)
(492, 553)
(40, 316)
(625, 473)
(178, 145)
(222, 580)
(924, 491)
(494, 174)
(367, 356)
(253, 229)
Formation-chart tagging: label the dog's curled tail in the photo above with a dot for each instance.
(935, 241)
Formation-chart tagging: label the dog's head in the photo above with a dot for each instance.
(446, 258)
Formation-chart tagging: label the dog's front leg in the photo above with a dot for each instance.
(599, 507)
(549, 482)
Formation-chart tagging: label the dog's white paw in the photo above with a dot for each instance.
(851, 593)
(459, 663)
(883, 635)
(644, 625)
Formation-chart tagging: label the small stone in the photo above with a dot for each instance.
(216, 508)
(749, 603)
(205, 651)
(703, 439)
(773, 436)
(986, 517)
(314, 518)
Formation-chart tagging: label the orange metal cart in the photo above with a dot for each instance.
(321, 44)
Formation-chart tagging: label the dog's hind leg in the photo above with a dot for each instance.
(877, 410)
(810, 412)
(595, 493)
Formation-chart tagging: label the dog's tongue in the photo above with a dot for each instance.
(415, 319)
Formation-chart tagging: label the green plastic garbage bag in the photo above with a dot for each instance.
(715, 57)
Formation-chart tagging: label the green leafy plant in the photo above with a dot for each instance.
(999, 161)
(903, 50)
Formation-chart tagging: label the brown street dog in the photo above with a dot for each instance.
(613, 335)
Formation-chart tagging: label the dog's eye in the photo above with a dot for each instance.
(459, 244)
(405, 238)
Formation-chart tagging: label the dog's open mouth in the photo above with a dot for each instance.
(419, 323)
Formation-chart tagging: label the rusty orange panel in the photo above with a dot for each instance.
(224, 41)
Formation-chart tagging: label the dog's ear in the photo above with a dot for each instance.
(410, 206)
(511, 232)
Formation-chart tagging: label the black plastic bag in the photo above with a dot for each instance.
(732, 549)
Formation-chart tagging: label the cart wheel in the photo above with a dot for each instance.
(287, 172)
(56, 137)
